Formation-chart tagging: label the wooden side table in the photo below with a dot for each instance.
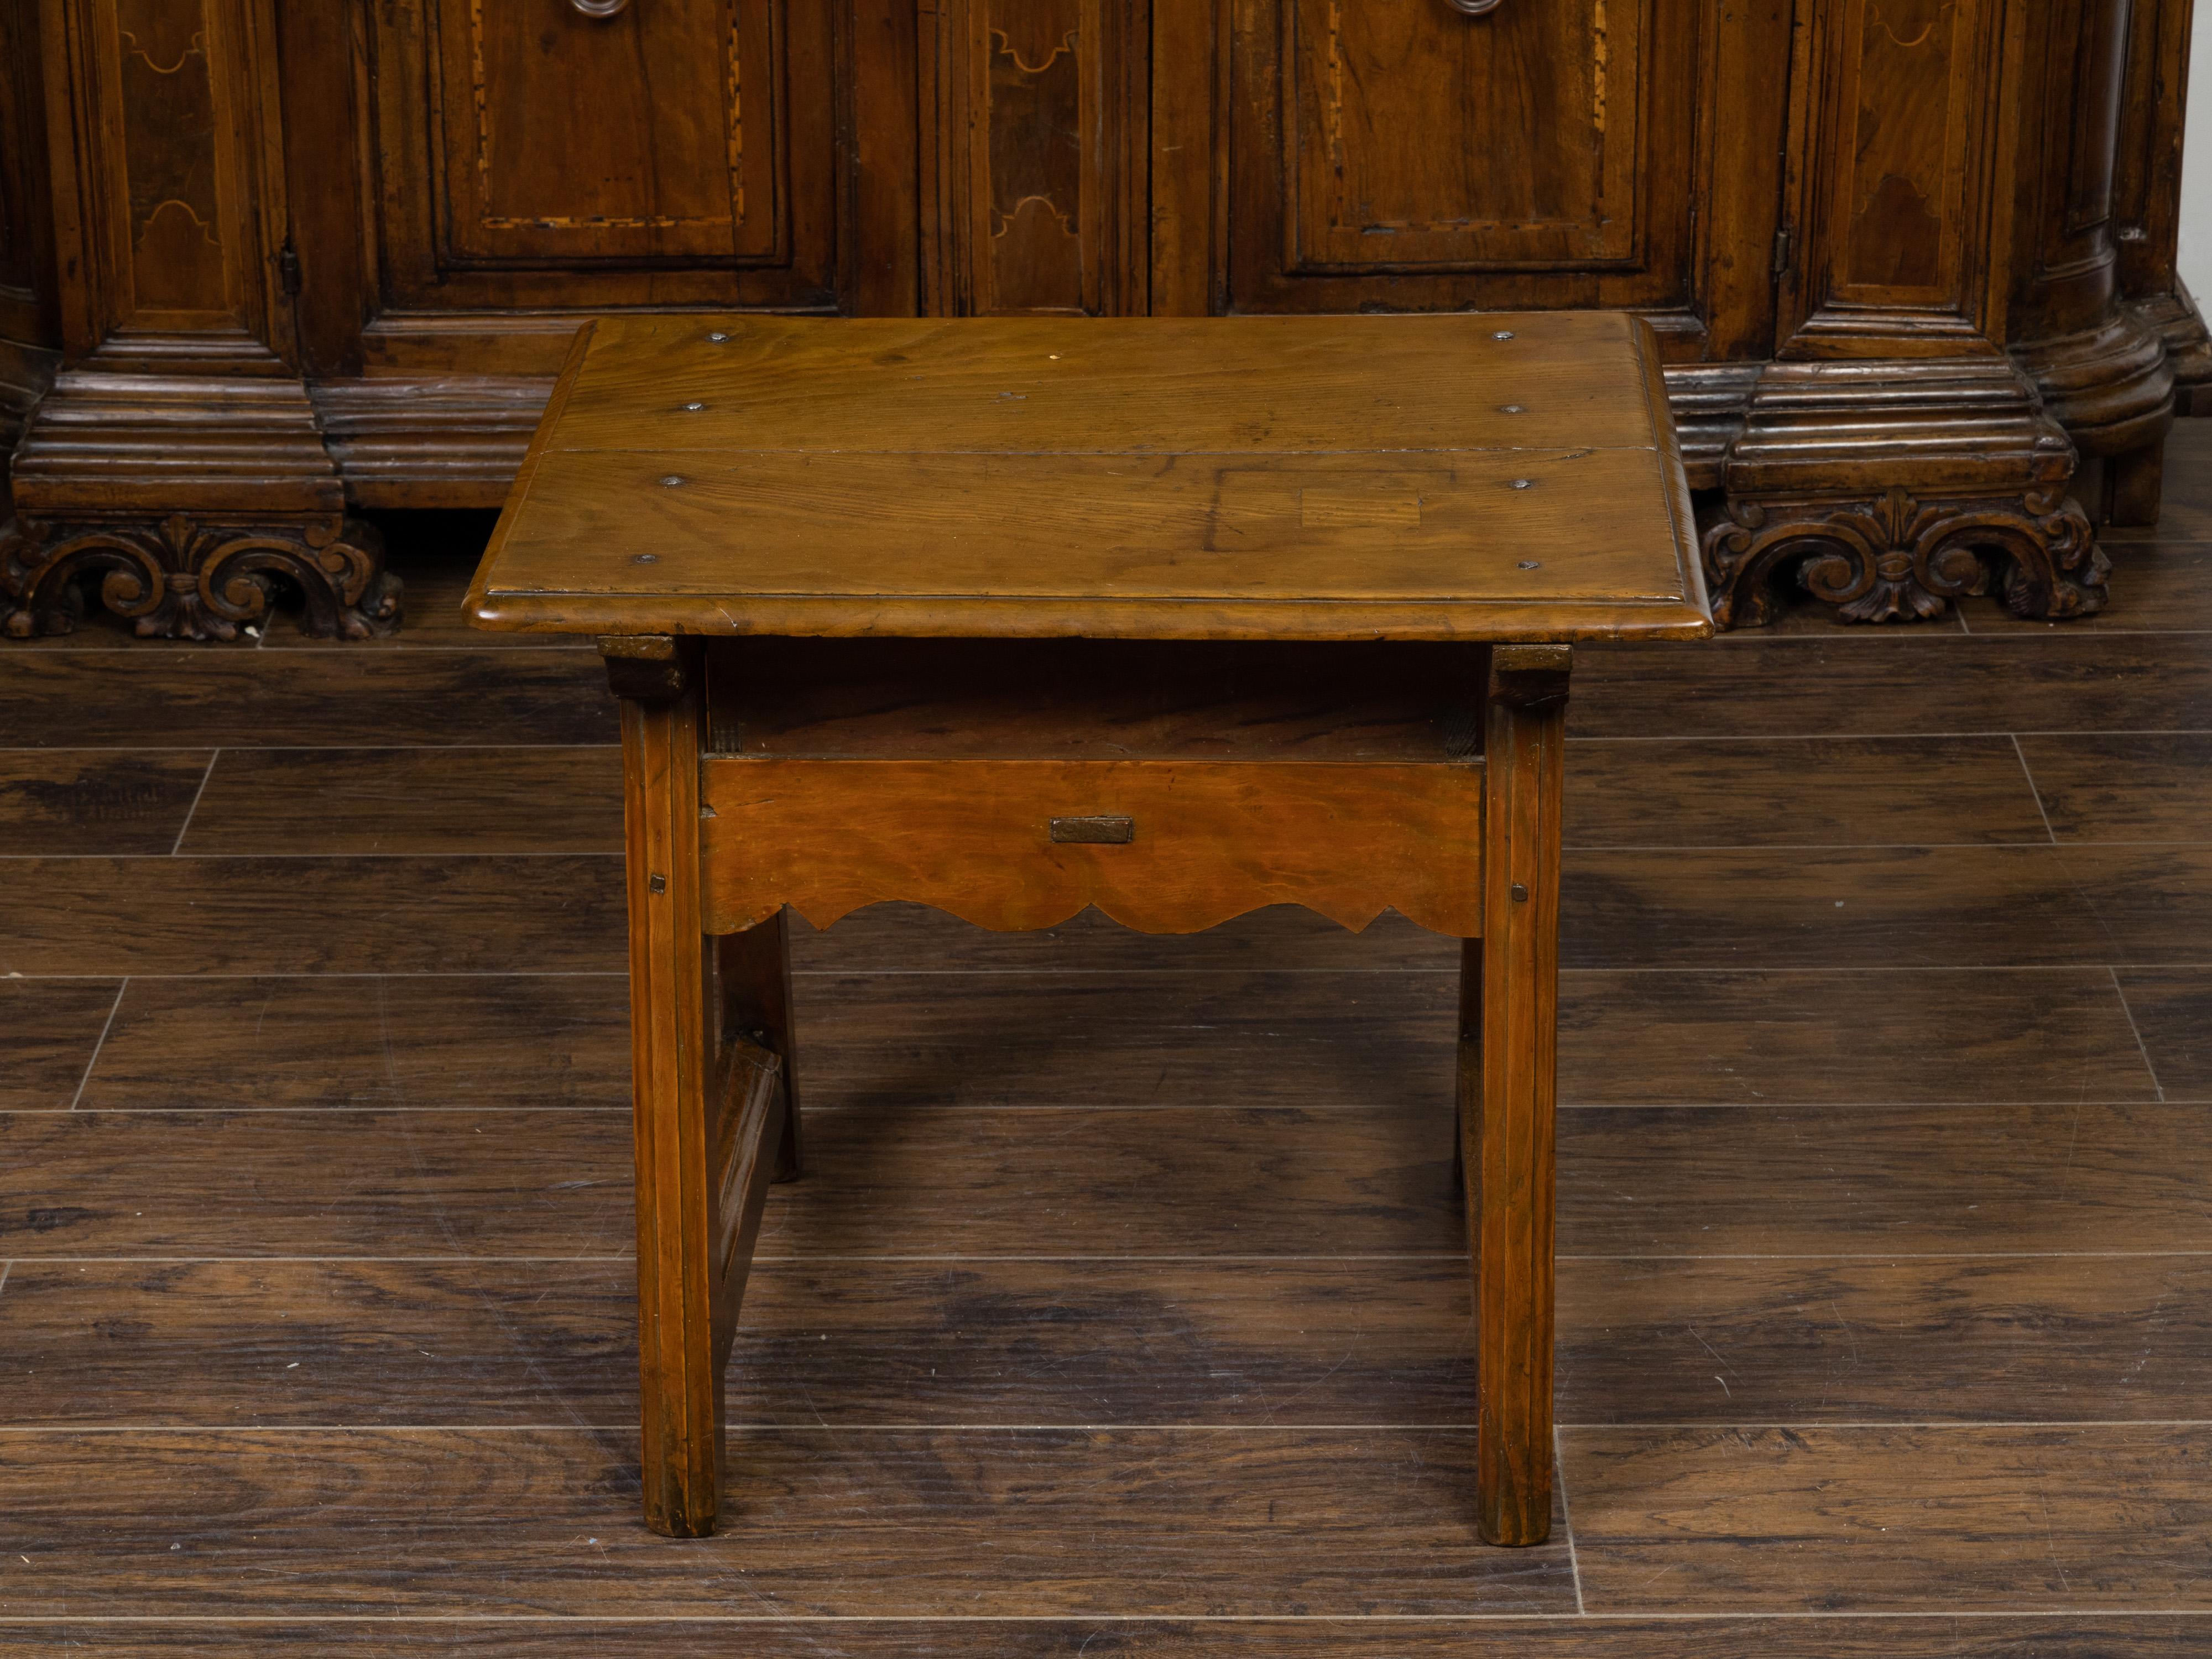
(1178, 619)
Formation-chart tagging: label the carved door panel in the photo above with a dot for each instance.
(1033, 184)
(1538, 153)
(1893, 193)
(605, 152)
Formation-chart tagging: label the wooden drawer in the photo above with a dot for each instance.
(1204, 841)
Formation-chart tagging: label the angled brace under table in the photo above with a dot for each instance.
(1175, 618)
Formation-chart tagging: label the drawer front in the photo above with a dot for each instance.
(1162, 847)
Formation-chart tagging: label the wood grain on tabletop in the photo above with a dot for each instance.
(1208, 478)
(1107, 386)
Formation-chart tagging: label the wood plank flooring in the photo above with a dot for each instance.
(1123, 1309)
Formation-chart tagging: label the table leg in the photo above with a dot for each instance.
(1507, 1075)
(671, 1058)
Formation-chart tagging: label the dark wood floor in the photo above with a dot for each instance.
(1123, 1308)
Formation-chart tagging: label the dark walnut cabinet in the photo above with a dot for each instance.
(263, 264)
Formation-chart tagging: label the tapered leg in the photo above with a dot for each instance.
(710, 1040)
(754, 967)
(671, 1058)
(1508, 1069)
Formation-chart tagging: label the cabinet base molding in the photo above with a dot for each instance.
(1893, 557)
(1888, 488)
(440, 443)
(2110, 388)
(2174, 318)
(182, 577)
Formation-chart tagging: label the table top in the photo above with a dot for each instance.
(1499, 477)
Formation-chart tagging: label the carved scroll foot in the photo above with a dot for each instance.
(186, 578)
(1895, 558)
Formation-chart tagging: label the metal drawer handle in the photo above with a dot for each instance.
(1109, 830)
(609, 7)
(1470, 8)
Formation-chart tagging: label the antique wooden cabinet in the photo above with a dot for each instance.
(263, 264)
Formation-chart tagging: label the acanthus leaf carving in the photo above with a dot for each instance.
(184, 577)
(1897, 557)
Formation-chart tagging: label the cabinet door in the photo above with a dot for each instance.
(1406, 152)
(601, 152)
(1033, 180)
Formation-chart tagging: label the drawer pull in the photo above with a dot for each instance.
(608, 8)
(1474, 7)
(1112, 831)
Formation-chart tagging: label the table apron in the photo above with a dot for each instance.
(1022, 844)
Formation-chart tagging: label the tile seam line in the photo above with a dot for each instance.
(184, 828)
(99, 1044)
(2142, 1048)
(2035, 792)
(1567, 1516)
